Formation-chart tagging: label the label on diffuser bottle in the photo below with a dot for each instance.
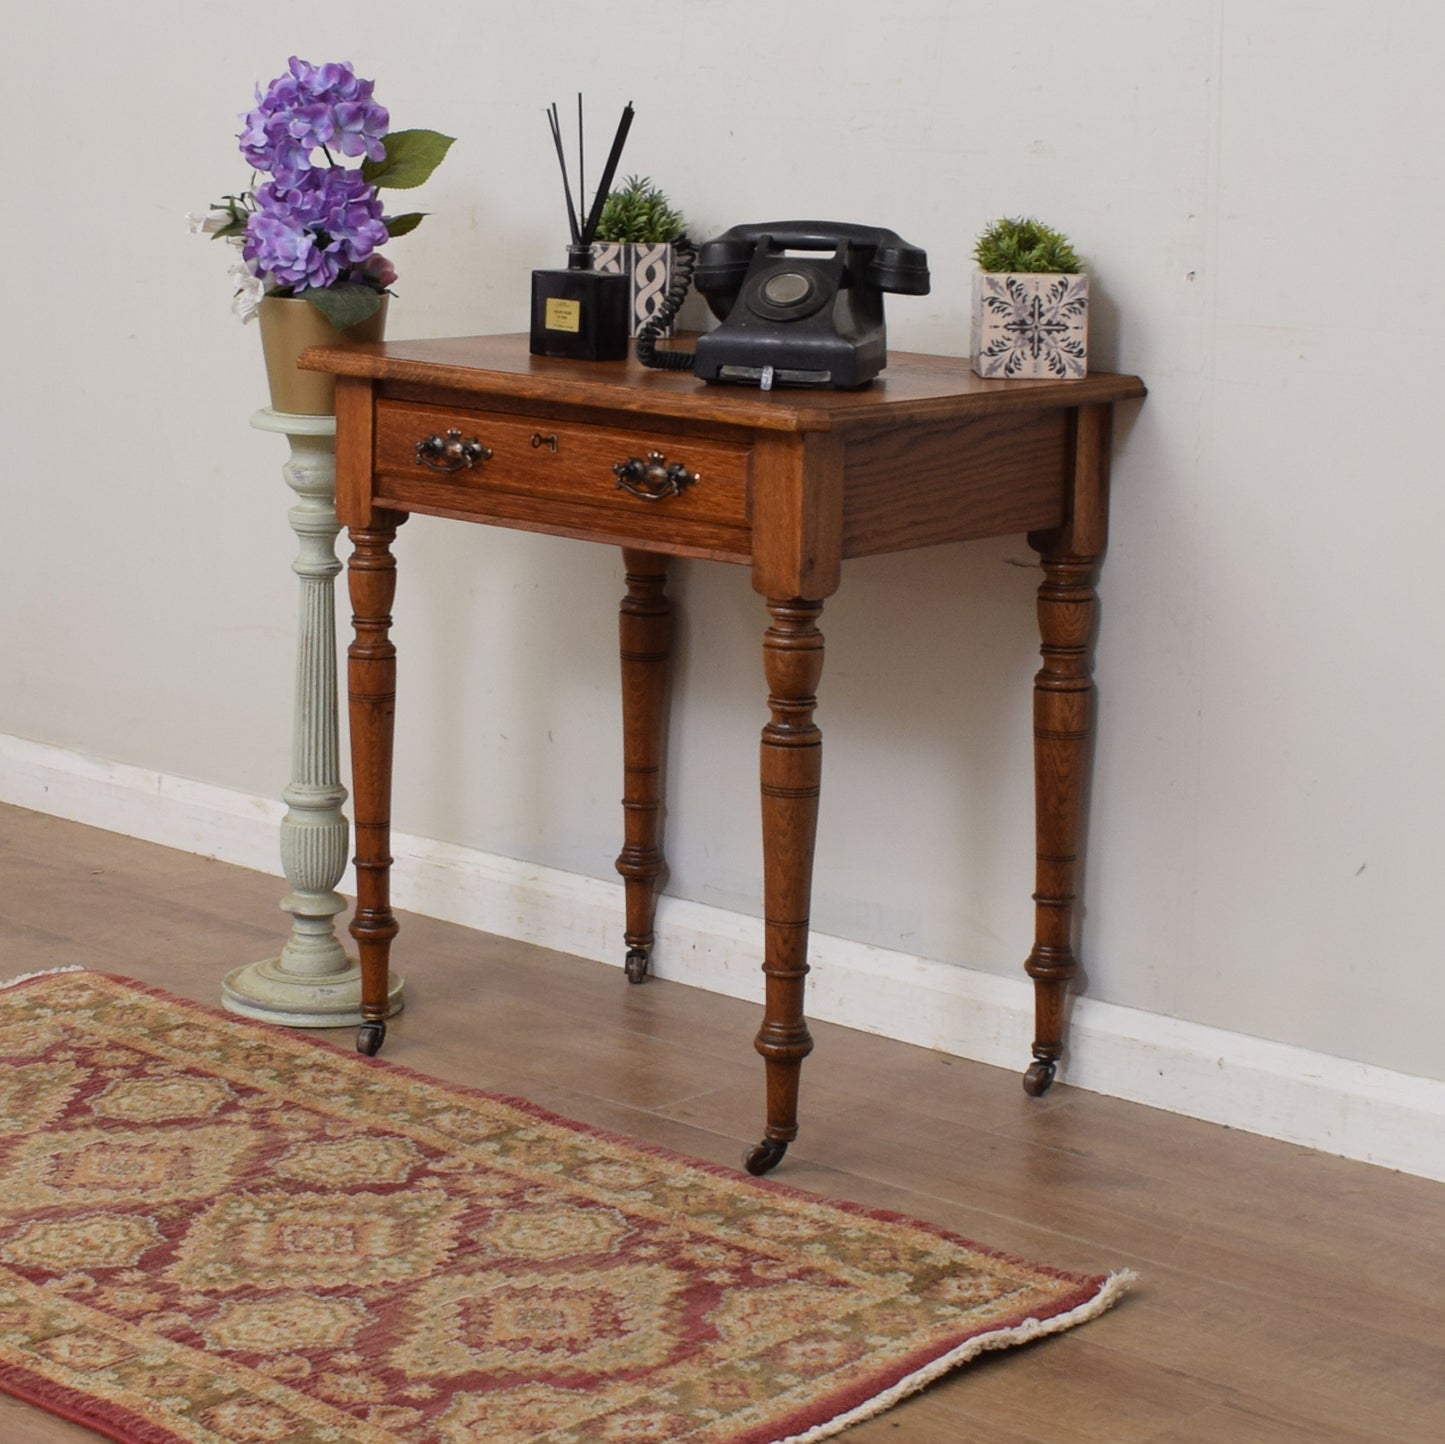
(563, 315)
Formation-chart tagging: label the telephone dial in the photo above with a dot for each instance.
(799, 303)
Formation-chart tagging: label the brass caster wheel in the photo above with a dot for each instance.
(767, 1155)
(369, 1038)
(1039, 1075)
(636, 965)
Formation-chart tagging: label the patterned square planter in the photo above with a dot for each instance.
(650, 267)
(1030, 326)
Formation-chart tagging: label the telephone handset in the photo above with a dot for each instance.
(790, 319)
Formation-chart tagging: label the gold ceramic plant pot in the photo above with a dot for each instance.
(290, 324)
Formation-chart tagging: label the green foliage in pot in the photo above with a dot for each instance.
(1024, 244)
(638, 212)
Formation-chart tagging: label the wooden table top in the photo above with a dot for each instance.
(913, 387)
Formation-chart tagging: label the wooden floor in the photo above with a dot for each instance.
(1285, 1297)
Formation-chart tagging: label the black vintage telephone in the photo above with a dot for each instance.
(790, 320)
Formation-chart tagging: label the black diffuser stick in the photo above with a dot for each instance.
(562, 162)
(618, 141)
(581, 154)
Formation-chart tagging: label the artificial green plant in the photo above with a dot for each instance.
(1022, 244)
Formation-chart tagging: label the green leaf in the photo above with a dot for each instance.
(236, 227)
(411, 157)
(403, 225)
(345, 305)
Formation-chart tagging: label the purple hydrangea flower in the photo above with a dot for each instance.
(317, 223)
(335, 77)
(311, 108)
(315, 228)
(290, 255)
(358, 128)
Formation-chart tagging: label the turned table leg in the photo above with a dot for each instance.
(1063, 707)
(371, 677)
(1063, 726)
(791, 764)
(645, 632)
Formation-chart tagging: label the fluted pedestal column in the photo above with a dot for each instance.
(312, 983)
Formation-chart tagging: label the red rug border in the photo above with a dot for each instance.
(58, 1406)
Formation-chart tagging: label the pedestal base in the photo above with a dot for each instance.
(311, 983)
(270, 992)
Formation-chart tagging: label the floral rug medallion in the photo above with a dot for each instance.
(213, 1230)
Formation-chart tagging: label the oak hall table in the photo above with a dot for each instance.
(789, 483)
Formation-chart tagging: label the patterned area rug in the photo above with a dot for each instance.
(213, 1230)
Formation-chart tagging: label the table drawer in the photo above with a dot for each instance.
(489, 464)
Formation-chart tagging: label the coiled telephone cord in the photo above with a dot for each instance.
(684, 261)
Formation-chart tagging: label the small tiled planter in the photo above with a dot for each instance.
(650, 267)
(1030, 326)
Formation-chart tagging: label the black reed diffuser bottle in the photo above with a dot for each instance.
(579, 312)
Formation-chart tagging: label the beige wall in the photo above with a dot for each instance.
(1254, 189)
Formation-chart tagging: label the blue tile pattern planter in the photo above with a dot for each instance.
(1030, 326)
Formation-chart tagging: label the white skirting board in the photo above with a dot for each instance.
(1341, 1107)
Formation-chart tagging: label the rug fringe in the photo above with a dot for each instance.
(1114, 1287)
(42, 973)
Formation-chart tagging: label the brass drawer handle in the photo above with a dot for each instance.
(450, 452)
(654, 478)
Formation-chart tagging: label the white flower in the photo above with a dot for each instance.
(250, 289)
(206, 223)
